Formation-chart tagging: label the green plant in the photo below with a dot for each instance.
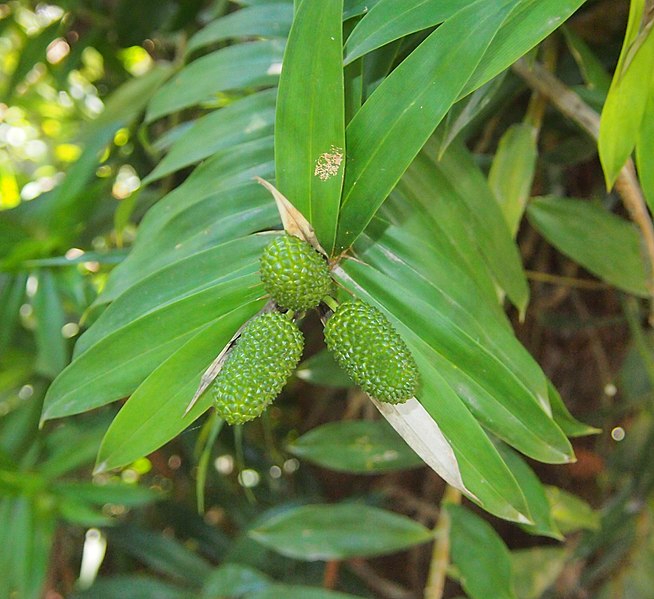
(408, 139)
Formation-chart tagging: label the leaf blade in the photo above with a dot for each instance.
(310, 118)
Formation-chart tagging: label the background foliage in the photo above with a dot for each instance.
(456, 151)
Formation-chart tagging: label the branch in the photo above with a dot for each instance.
(440, 557)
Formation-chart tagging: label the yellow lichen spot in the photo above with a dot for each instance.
(328, 163)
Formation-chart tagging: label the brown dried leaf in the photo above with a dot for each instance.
(293, 220)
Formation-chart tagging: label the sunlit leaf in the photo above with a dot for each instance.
(243, 65)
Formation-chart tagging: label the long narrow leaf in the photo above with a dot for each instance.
(154, 414)
(310, 121)
(392, 126)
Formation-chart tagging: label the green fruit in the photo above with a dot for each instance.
(372, 352)
(294, 274)
(257, 367)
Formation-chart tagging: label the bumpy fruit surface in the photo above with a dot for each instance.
(372, 352)
(257, 368)
(294, 274)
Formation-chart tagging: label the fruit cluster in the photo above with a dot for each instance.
(363, 341)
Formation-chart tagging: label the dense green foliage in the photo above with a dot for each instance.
(497, 229)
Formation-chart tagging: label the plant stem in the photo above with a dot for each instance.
(627, 186)
(440, 557)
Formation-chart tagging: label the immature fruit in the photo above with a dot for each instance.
(257, 367)
(372, 352)
(294, 274)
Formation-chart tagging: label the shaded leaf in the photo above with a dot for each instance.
(601, 242)
(539, 506)
(481, 557)
(363, 447)
(163, 554)
(131, 587)
(512, 172)
(536, 569)
(570, 512)
(233, 580)
(340, 531)
(52, 349)
(297, 592)
(322, 369)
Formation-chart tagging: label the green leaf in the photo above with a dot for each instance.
(388, 131)
(131, 587)
(30, 524)
(591, 67)
(52, 354)
(605, 244)
(539, 506)
(217, 203)
(388, 21)
(222, 263)
(154, 414)
(11, 298)
(233, 579)
(463, 178)
(570, 512)
(130, 495)
(268, 20)
(243, 65)
(536, 569)
(163, 554)
(562, 416)
(429, 267)
(491, 389)
(340, 531)
(484, 473)
(645, 150)
(310, 119)
(357, 446)
(528, 24)
(80, 513)
(245, 120)
(512, 172)
(297, 592)
(470, 110)
(481, 557)
(322, 369)
(625, 105)
(116, 365)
